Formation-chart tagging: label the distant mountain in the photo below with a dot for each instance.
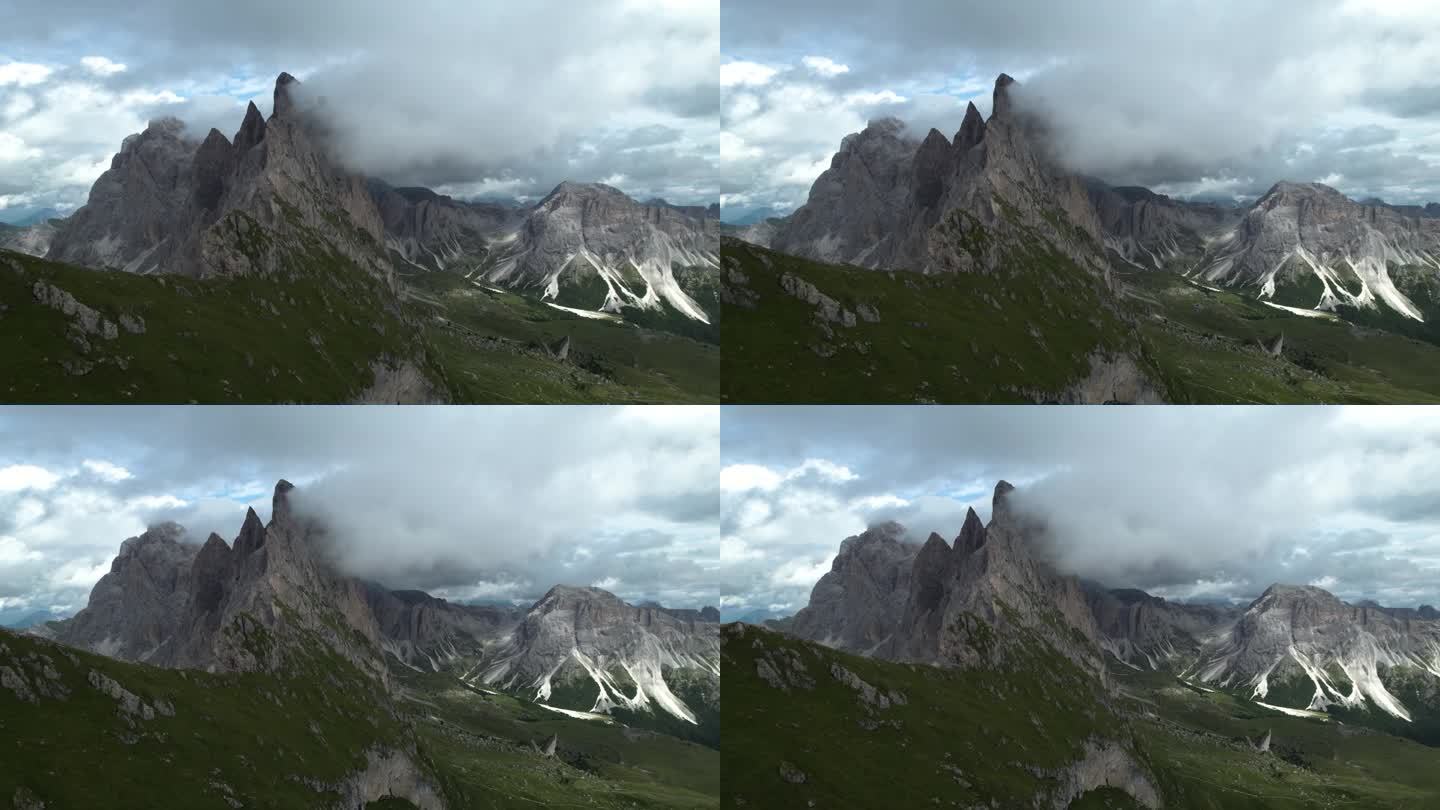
(1301, 647)
(28, 620)
(1309, 246)
(22, 220)
(33, 240)
(584, 649)
(591, 247)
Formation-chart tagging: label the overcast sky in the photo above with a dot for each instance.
(1218, 98)
(468, 97)
(1184, 502)
(465, 502)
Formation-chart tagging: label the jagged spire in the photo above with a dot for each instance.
(1000, 503)
(280, 502)
(1001, 104)
(252, 131)
(972, 534)
(972, 129)
(284, 99)
(252, 534)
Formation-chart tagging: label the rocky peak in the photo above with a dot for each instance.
(280, 501)
(167, 533)
(710, 613)
(972, 129)
(252, 534)
(972, 534)
(1000, 501)
(284, 94)
(887, 533)
(931, 167)
(1002, 103)
(252, 130)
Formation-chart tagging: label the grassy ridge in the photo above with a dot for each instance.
(1206, 344)
(480, 744)
(494, 346)
(250, 737)
(1199, 745)
(965, 736)
(1010, 336)
(311, 339)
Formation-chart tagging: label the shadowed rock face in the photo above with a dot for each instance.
(430, 231)
(1155, 232)
(1147, 632)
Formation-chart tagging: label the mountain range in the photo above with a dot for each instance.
(896, 627)
(1125, 294)
(270, 219)
(172, 603)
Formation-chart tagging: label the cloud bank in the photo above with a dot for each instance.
(494, 503)
(1183, 502)
(1217, 99)
(492, 99)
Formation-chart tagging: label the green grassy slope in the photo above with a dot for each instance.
(314, 335)
(1012, 336)
(310, 338)
(1199, 745)
(480, 744)
(1206, 344)
(276, 741)
(250, 737)
(973, 738)
(962, 738)
(493, 346)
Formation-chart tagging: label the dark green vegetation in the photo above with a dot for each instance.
(1200, 747)
(497, 346)
(194, 739)
(1025, 333)
(291, 740)
(316, 335)
(483, 746)
(971, 737)
(1207, 346)
(1020, 335)
(965, 736)
(311, 339)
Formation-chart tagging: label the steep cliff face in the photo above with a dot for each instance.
(877, 204)
(1147, 632)
(1308, 245)
(592, 247)
(586, 644)
(425, 231)
(1300, 646)
(950, 604)
(269, 202)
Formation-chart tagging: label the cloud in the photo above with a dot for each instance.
(1183, 502)
(555, 92)
(100, 66)
(463, 502)
(1230, 106)
(821, 66)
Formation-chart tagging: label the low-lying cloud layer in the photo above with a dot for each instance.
(1196, 503)
(1222, 98)
(489, 503)
(494, 99)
